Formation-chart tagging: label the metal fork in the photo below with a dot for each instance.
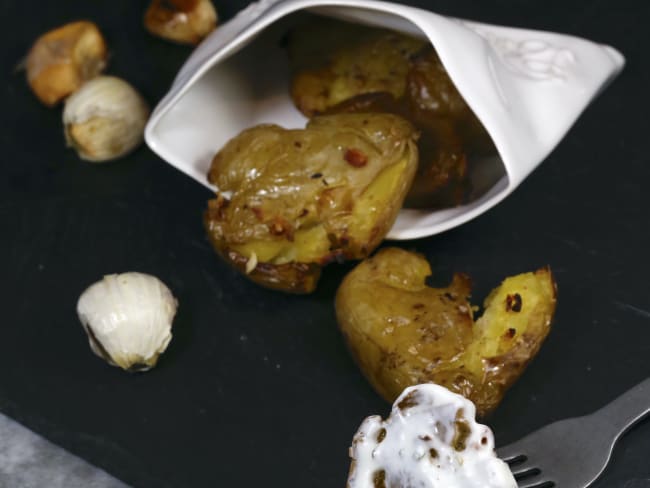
(572, 453)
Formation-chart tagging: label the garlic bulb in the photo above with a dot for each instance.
(183, 21)
(63, 58)
(128, 319)
(104, 119)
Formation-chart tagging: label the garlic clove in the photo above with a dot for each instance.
(63, 58)
(104, 119)
(182, 21)
(128, 319)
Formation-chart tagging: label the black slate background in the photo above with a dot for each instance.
(257, 387)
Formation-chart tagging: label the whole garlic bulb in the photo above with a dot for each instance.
(184, 21)
(62, 59)
(128, 319)
(104, 119)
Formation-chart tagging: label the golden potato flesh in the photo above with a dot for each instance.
(299, 199)
(402, 332)
(182, 21)
(63, 58)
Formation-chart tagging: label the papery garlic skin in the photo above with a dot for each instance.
(128, 318)
(105, 119)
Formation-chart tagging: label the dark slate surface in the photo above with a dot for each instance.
(257, 387)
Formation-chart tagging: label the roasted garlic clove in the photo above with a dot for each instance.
(182, 21)
(128, 319)
(62, 59)
(105, 119)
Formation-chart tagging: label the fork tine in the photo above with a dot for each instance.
(511, 451)
(536, 484)
(519, 468)
(514, 459)
(528, 475)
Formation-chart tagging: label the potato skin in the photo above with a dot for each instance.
(402, 332)
(304, 198)
(339, 67)
(432, 99)
(441, 179)
(517, 318)
(399, 330)
(332, 61)
(299, 278)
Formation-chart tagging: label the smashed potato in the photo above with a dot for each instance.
(340, 67)
(291, 201)
(332, 61)
(441, 179)
(402, 332)
(432, 98)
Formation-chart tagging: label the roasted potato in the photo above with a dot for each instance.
(300, 199)
(340, 67)
(432, 98)
(402, 332)
(430, 91)
(332, 61)
(441, 179)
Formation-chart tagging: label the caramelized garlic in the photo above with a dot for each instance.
(61, 60)
(182, 21)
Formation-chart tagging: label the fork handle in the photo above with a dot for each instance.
(626, 410)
